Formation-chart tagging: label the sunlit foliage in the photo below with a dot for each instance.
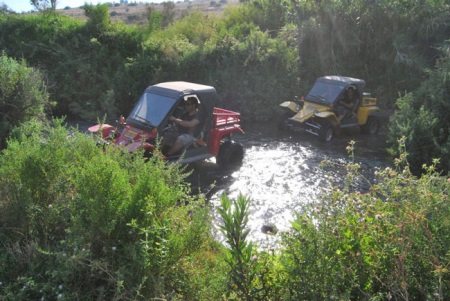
(79, 222)
(388, 243)
(423, 119)
(388, 43)
(23, 95)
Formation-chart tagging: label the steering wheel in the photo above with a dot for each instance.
(170, 125)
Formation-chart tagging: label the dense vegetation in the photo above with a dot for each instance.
(77, 223)
(86, 225)
(257, 54)
(275, 44)
(423, 118)
(23, 95)
(387, 244)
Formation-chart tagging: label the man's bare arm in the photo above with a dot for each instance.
(185, 123)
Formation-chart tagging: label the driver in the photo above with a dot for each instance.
(346, 103)
(188, 126)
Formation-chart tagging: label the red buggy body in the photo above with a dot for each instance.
(150, 120)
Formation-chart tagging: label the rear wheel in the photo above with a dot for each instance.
(372, 125)
(283, 120)
(230, 153)
(326, 131)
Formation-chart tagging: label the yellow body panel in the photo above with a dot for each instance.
(364, 112)
(309, 109)
(368, 106)
(294, 107)
(324, 114)
(368, 101)
(312, 109)
(330, 115)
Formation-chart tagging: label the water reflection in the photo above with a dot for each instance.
(281, 173)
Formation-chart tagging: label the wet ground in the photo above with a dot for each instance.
(281, 173)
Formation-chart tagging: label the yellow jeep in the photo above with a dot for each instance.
(321, 114)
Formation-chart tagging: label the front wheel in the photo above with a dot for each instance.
(326, 132)
(372, 125)
(230, 153)
(283, 120)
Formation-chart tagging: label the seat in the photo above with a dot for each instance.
(202, 125)
(355, 107)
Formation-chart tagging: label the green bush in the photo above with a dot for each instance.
(388, 243)
(86, 62)
(81, 223)
(23, 95)
(278, 48)
(252, 274)
(422, 118)
(252, 73)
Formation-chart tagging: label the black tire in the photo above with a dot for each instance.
(283, 121)
(372, 126)
(326, 131)
(230, 153)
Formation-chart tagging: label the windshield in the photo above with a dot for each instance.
(151, 109)
(325, 92)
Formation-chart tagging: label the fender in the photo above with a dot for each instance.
(364, 112)
(328, 115)
(290, 105)
(309, 110)
(106, 130)
(139, 145)
(216, 135)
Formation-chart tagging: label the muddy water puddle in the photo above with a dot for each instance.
(281, 173)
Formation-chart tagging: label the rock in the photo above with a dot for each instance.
(269, 229)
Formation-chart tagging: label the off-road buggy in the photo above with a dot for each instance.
(150, 120)
(317, 112)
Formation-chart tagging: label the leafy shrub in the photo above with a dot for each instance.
(154, 19)
(252, 274)
(98, 18)
(252, 75)
(23, 95)
(388, 243)
(422, 118)
(77, 222)
(303, 40)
